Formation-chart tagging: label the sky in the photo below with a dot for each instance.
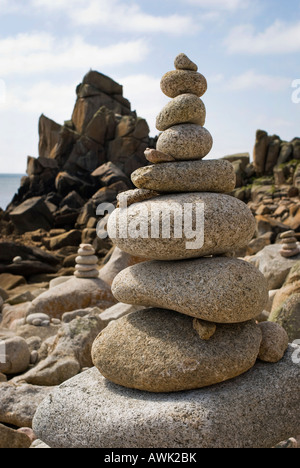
(247, 49)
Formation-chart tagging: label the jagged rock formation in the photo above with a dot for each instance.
(84, 162)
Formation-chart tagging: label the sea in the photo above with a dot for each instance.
(9, 185)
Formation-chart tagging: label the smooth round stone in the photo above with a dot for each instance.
(218, 290)
(82, 267)
(225, 222)
(287, 234)
(187, 176)
(289, 253)
(86, 260)
(87, 274)
(85, 252)
(86, 246)
(274, 343)
(178, 82)
(158, 350)
(185, 142)
(38, 316)
(156, 157)
(290, 240)
(186, 108)
(182, 62)
(288, 247)
(135, 196)
(37, 323)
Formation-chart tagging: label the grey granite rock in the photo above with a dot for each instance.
(187, 176)
(256, 410)
(225, 225)
(182, 62)
(159, 350)
(274, 343)
(185, 142)
(178, 82)
(185, 108)
(221, 290)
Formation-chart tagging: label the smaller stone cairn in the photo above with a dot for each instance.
(86, 262)
(290, 246)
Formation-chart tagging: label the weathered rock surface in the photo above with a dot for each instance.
(221, 290)
(117, 262)
(72, 295)
(185, 142)
(182, 62)
(69, 353)
(274, 267)
(186, 176)
(10, 438)
(185, 108)
(288, 316)
(110, 416)
(18, 403)
(159, 350)
(228, 225)
(17, 356)
(177, 82)
(274, 343)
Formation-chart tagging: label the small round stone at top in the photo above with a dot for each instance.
(182, 62)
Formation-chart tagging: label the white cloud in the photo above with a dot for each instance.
(230, 5)
(123, 16)
(144, 93)
(252, 80)
(41, 52)
(279, 38)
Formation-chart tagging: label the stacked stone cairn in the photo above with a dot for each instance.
(290, 246)
(198, 328)
(86, 262)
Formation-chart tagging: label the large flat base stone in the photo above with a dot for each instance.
(256, 410)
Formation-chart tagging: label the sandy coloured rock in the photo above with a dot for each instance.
(187, 176)
(274, 343)
(156, 157)
(87, 274)
(17, 356)
(185, 108)
(158, 350)
(177, 82)
(185, 142)
(204, 329)
(221, 290)
(227, 225)
(145, 420)
(87, 260)
(72, 295)
(182, 62)
(135, 196)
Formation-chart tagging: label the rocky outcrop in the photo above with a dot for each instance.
(103, 130)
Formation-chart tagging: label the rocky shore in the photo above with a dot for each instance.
(61, 285)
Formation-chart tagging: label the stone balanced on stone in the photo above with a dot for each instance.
(199, 307)
(198, 328)
(290, 246)
(86, 262)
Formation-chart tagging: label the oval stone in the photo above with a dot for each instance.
(158, 350)
(180, 226)
(220, 290)
(186, 108)
(178, 82)
(187, 176)
(185, 142)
